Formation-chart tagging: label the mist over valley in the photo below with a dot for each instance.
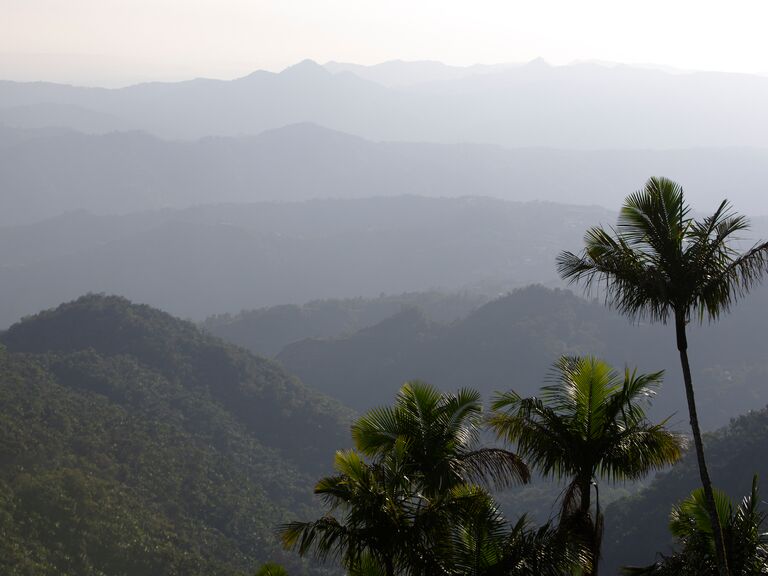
(206, 285)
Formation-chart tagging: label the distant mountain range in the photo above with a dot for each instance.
(580, 106)
(266, 331)
(46, 172)
(401, 73)
(409, 73)
(225, 258)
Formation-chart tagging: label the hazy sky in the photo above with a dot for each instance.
(116, 42)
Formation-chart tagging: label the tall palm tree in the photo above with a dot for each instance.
(589, 423)
(661, 264)
(440, 432)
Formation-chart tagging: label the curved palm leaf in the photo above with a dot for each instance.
(691, 516)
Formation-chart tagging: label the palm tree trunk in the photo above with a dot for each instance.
(597, 527)
(588, 525)
(706, 483)
(389, 566)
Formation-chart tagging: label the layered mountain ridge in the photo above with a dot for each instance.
(512, 341)
(124, 172)
(584, 106)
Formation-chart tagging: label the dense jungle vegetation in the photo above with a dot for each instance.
(134, 443)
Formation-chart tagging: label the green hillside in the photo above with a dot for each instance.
(134, 444)
(512, 341)
(267, 331)
(636, 527)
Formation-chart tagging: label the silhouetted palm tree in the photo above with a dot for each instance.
(375, 505)
(415, 508)
(387, 526)
(486, 545)
(588, 424)
(661, 264)
(440, 432)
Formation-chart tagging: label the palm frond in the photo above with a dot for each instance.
(540, 436)
(461, 415)
(546, 551)
(367, 565)
(581, 391)
(691, 515)
(658, 260)
(376, 431)
(325, 538)
(501, 467)
(570, 500)
(629, 280)
(639, 450)
(730, 279)
(655, 219)
(627, 405)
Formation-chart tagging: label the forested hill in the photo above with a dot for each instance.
(636, 527)
(268, 330)
(512, 342)
(132, 443)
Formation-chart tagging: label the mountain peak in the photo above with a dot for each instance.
(308, 133)
(305, 68)
(108, 324)
(539, 63)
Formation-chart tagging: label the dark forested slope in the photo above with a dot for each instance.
(636, 527)
(134, 444)
(512, 341)
(267, 331)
